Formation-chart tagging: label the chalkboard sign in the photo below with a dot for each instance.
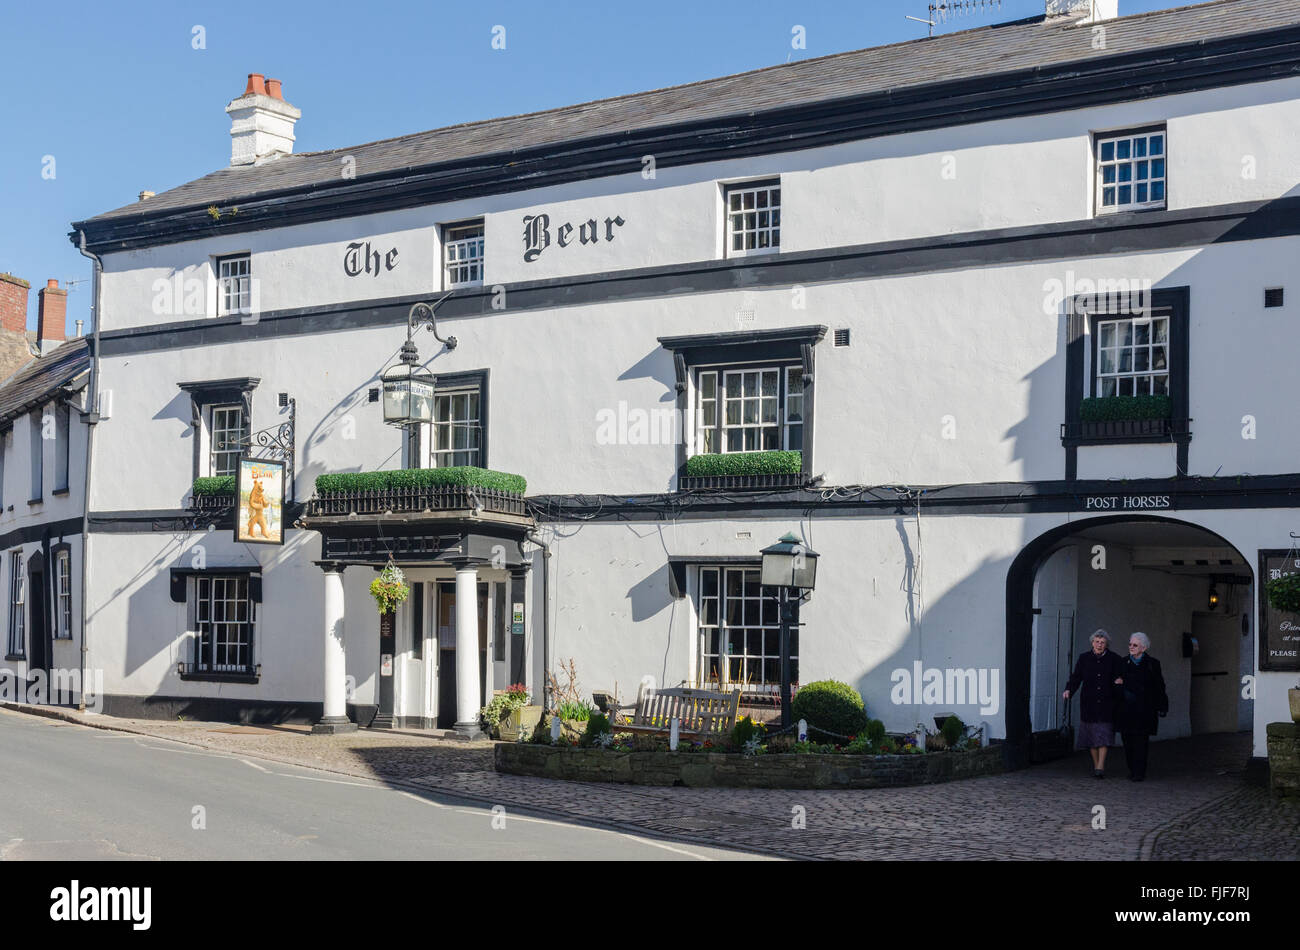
(1279, 632)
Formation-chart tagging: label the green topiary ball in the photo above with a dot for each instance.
(832, 706)
(597, 726)
(875, 730)
(953, 729)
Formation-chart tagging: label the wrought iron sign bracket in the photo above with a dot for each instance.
(276, 443)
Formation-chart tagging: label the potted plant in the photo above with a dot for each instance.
(567, 703)
(519, 717)
(1284, 593)
(389, 588)
(573, 715)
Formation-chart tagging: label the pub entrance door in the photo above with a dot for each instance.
(445, 618)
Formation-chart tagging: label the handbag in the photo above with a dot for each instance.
(1066, 731)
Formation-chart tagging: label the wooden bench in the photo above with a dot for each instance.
(699, 712)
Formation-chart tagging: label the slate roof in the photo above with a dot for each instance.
(36, 383)
(985, 51)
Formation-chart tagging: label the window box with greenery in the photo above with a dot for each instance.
(1126, 417)
(1127, 375)
(213, 493)
(777, 468)
(418, 490)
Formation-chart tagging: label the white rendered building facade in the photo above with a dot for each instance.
(925, 279)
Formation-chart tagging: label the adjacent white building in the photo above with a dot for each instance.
(943, 272)
(42, 486)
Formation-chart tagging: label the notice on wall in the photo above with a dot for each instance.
(260, 518)
(517, 620)
(1279, 631)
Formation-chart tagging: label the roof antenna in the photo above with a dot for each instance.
(940, 11)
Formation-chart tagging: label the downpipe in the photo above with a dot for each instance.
(91, 418)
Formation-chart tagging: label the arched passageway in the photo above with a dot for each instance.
(1185, 586)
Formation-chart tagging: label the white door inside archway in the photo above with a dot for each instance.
(1055, 603)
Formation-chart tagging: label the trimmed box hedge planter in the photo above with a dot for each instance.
(418, 491)
(733, 770)
(770, 469)
(463, 476)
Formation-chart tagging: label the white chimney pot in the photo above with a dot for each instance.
(261, 127)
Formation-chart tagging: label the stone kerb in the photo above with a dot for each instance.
(707, 769)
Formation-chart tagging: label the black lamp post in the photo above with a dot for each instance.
(409, 389)
(790, 566)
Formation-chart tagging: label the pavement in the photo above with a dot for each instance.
(1194, 805)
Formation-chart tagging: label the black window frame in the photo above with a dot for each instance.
(787, 345)
(451, 383)
(782, 367)
(731, 187)
(1083, 312)
(17, 611)
(1100, 136)
(778, 596)
(443, 232)
(216, 266)
(62, 448)
(204, 394)
(59, 552)
(185, 588)
(36, 461)
(6, 437)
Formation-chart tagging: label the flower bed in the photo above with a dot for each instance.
(703, 769)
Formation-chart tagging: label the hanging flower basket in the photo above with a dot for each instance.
(1284, 593)
(389, 588)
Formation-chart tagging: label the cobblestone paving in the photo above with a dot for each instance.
(1194, 805)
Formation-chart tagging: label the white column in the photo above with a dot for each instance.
(467, 676)
(335, 717)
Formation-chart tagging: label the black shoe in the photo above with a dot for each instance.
(1098, 773)
(1139, 778)
(1134, 778)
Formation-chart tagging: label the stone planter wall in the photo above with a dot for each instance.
(706, 769)
(1284, 759)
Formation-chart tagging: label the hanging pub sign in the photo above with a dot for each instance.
(1279, 630)
(259, 518)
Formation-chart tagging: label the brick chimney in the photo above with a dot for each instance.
(13, 303)
(51, 315)
(1086, 11)
(262, 122)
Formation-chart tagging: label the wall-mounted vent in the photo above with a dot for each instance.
(374, 395)
(842, 337)
(1272, 296)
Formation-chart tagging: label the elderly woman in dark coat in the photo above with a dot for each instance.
(1143, 700)
(1099, 672)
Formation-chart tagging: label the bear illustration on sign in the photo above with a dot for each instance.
(257, 510)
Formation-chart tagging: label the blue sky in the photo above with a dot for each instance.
(120, 98)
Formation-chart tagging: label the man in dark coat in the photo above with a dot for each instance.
(1143, 700)
(1099, 672)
